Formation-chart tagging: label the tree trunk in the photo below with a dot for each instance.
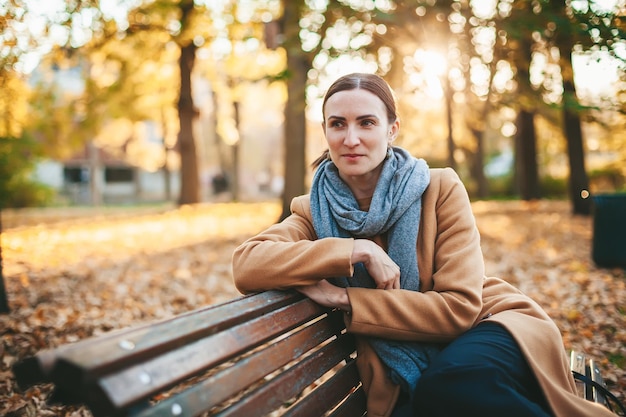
(167, 179)
(95, 174)
(4, 303)
(448, 98)
(477, 166)
(234, 185)
(137, 184)
(478, 171)
(578, 179)
(295, 121)
(223, 175)
(526, 167)
(564, 40)
(189, 176)
(165, 169)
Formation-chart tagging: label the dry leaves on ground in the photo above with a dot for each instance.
(71, 279)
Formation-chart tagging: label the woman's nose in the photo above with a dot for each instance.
(352, 137)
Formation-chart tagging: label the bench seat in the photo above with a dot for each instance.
(251, 356)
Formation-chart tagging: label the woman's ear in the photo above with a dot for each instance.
(394, 129)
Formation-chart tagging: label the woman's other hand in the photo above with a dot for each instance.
(327, 295)
(383, 270)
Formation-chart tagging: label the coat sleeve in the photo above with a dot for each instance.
(289, 254)
(451, 268)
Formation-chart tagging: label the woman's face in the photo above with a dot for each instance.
(358, 135)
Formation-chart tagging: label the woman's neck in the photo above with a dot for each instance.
(362, 186)
(364, 203)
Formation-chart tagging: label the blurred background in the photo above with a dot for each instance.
(141, 141)
(131, 102)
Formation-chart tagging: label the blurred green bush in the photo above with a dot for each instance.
(17, 187)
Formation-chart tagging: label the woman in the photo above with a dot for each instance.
(394, 245)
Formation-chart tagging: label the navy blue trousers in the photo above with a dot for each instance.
(482, 373)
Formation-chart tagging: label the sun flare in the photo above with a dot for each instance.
(428, 69)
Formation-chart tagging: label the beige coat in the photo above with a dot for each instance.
(455, 294)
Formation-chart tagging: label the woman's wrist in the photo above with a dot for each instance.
(344, 301)
(360, 251)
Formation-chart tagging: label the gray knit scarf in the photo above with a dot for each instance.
(396, 209)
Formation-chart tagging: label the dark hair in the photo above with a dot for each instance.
(369, 82)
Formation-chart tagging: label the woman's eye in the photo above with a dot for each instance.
(367, 122)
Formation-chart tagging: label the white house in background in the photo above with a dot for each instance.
(115, 182)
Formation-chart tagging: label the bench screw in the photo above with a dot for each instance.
(144, 378)
(176, 410)
(126, 345)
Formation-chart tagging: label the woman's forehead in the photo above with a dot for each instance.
(354, 101)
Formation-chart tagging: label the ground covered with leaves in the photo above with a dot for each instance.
(71, 275)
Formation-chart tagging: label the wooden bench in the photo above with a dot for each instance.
(589, 382)
(273, 353)
(252, 356)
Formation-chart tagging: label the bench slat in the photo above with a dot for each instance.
(353, 406)
(37, 369)
(578, 364)
(330, 392)
(292, 381)
(150, 340)
(136, 382)
(34, 369)
(227, 383)
(596, 376)
(118, 348)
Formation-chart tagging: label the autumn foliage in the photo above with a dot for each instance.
(69, 278)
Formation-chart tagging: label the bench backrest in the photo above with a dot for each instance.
(270, 353)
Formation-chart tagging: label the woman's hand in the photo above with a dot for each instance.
(327, 294)
(382, 269)
(380, 266)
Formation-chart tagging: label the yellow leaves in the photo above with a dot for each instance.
(24, 280)
(115, 133)
(574, 315)
(576, 265)
(104, 72)
(255, 64)
(12, 104)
